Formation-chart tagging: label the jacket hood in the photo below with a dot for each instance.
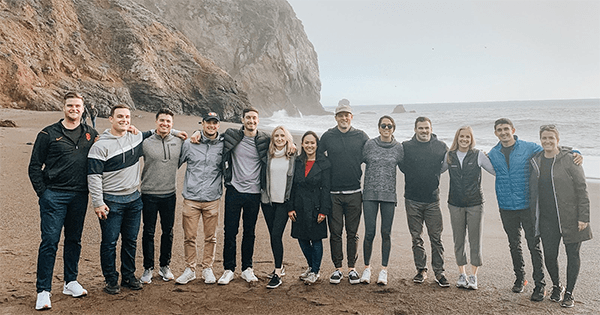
(205, 139)
(107, 135)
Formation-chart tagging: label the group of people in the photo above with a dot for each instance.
(541, 190)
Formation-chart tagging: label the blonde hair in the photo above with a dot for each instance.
(454, 146)
(288, 140)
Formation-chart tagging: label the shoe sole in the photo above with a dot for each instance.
(146, 282)
(210, 281)
(47, 307)
(443, 285)
(224, 282)
(462, 286)
(111, 292)
(132, 288)
(335, 281)
(470, 287)
(186, 282)
(381, 282)
(273, 286)
(357, 281)
(418, 281)
(75, 296)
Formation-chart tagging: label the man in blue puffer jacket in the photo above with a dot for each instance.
(510, 158)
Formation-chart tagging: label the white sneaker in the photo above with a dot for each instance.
(248, 275)
(74, 289)
(462, 281)
(165, 273)
(366, 276)
(226, 277)
(305, 273)
(43, 301)
(187, 276)
(382, 277)
(311, 278)
(208, 276)
(472, 282)
(147, 276)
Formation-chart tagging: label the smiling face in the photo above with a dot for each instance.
(388, 130)
(210, 128)
(73, 109)
(464, 140)
(120, 121)
(164, 123)
(344, 121)
(505, 134)
(279, 139)
(309, 145)
(250, 121)
(423, 131)
(549, 140)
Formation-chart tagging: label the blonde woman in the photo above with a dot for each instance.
(276, 195)
(465, 201)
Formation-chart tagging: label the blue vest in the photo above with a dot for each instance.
(512, 185)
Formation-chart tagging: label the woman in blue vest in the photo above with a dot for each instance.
(465, 201)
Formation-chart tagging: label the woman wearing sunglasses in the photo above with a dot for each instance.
(560, 202)
(465, 201)
(381, 155)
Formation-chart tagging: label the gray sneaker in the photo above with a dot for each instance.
(311, 278)
(472, 282)
(462, 281)
(305, 273)
(165, 273)
(147, 276)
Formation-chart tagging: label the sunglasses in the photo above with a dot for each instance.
(547, 127)
(388, 126)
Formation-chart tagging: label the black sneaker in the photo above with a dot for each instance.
(519, 285)
(557, 292)
(131, 283)
(568, 300)
(421, 276)
(275, 282)
(270, 276)
(539, 292)
(442, 281)
(353, 277)
(336, 277)
(112, 288)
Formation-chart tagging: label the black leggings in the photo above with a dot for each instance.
(276, 216)
(551, 243)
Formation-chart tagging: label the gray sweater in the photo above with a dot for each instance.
(381, 159)
(161, 160)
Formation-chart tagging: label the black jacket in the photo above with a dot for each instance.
(422, 166)
(310, 196)
(59, 163)
(465, 180)
(233, 137)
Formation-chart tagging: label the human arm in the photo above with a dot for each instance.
(484, 162)
(96, 160)
(445, 163)
(195, 138)
(38, 158)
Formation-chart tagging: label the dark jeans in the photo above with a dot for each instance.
(124, 219)
(234, 203)
(165, 206)
(58, 209)
(346, 208)
(431, 215)
(313, 252)
(551, 243)
(370, 209)
(276, 217)
(513, 221)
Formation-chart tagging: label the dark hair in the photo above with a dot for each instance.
(551, 128)
(249, 109)
(165, 111)
(73, 95)
(302, 155)
(388, 117)
(112, 110)
(422, 119)
(503, 121)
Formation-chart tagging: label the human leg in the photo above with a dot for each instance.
(370, 209)
(279, 222)
(474, 227)
(190, 216)
(415, 218)
(458, 221)
(573, 264)
(336, 224)
(111, 227)
(233, 210)
(435, 226)
(512, 227)
(388, 210)
(251, 207)
(551, 243)
(149, 216)
(353, 213)
(129, 232)
(73, 228)
(535, 250)
(210, 220)
(167, 220)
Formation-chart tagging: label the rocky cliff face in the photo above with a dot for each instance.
(113, 51)
(260, 43)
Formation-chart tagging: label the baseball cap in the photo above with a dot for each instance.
(211, 115)
(343, 106)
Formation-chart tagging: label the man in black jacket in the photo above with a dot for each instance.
(343, 145)
(245, 155)
(422, 166)
(57, 170)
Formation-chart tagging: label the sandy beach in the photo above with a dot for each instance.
(20, 235)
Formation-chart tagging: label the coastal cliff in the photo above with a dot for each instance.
(117, 51)
(260, 43)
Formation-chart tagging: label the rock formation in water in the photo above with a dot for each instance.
(260, 43)
(112, 51)
(399, 109)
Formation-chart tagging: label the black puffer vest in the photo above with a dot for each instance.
(465, 181)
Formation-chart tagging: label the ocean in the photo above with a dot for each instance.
(577, 121)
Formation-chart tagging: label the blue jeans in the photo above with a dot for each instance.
(313, 251)
(123, 218)
(153, 206)
(58, 209)
(370, 209)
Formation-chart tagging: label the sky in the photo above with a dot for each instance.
(407, 52)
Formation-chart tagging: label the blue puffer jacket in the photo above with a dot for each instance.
(512, 185)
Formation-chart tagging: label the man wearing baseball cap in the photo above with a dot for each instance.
(202, 190)
(343, 145)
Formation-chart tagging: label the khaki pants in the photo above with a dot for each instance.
(192, 211)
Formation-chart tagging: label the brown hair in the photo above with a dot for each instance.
(551, 128)
(249, 109)
(388, 117)
(288, 139)
(165, 111)
(503, 121)
(303, 156)
(423, 119)
(73, 95)
(112, 110)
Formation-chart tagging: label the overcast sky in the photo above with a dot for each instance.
(403, 52)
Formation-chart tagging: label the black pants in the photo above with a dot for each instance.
(513, 222)
(551, 242)
(234, 203)
(276, 217)
(345, 212)
(154, 206)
